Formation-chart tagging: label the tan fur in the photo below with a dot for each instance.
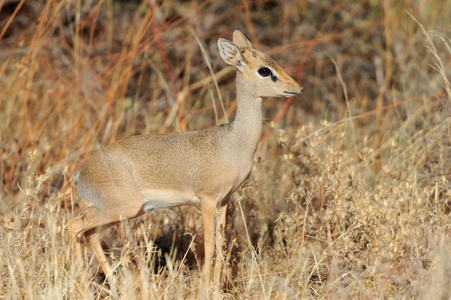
(141, 173)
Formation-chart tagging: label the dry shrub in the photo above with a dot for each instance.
(353, 234)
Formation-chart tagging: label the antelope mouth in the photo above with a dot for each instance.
(292, 93)
(288, 93)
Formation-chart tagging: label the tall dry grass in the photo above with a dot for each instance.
(349, 195)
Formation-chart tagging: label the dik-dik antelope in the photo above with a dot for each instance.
(138, 174)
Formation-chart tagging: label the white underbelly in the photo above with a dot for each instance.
(154, 199)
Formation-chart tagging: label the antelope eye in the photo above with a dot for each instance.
(265, 72)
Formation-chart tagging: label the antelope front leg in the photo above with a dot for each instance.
(219, 241)
(208, 217)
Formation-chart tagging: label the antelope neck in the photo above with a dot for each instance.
(247, 126)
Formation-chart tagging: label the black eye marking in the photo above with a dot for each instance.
(264, 71)
(273, 77)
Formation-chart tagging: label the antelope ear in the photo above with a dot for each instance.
(231, 54)
(241, 39)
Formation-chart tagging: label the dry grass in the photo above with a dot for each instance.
(350, 192)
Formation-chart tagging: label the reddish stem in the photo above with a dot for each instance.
(166, 64)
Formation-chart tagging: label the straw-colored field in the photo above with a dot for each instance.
(350, 192)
